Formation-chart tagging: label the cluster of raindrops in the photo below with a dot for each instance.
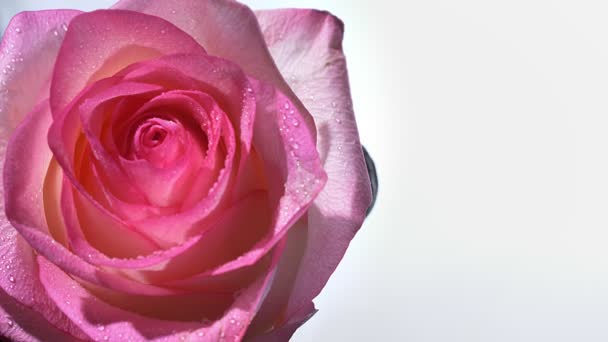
(288, 123)
(302, 184)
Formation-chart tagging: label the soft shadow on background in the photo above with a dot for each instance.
(488, 124)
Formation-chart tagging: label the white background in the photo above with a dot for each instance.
(488, 121)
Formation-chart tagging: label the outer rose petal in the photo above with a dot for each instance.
(318, 76)
(226, 29)
(27, 55)
(19, 323)
(102, 321)
(99, 44)
(21, 281)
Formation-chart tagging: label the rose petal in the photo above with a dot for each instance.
(226, 29)
(100, 43)
(100, 320)
(318, 75)
(24, 169)
(28, 52)
(21, 323)
(229, 236)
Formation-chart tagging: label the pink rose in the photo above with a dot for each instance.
(173, 170)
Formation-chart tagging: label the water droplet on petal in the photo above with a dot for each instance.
(11, 279)
(295, 146)
(55, 33)
(101, 328)
(295, 122)
(18, 30)
(64, 27)
(9, 322)
(163, 31)
(106, 338)
(338, 120)
(286, 105)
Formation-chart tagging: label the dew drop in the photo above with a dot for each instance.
(18, 30)
(55, 33)
(295, 146)
(163, 31)
(64, 27)
(101, 328)
(249, 90)
(295, 122)
(286, 105)
(200, 334)
(232, 321)
(11, 279)
(173, 11)
(338, 120)
(106, 338)
(10, 323)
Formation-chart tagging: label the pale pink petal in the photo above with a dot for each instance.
(307, 47)
(21, 323)
(28, 52)
(24, 169)
(100, 320)
(99, 44)
(229, 236)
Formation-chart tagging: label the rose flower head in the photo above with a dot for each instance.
(185, 170)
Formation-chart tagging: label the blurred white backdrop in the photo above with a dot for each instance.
(488, 122)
